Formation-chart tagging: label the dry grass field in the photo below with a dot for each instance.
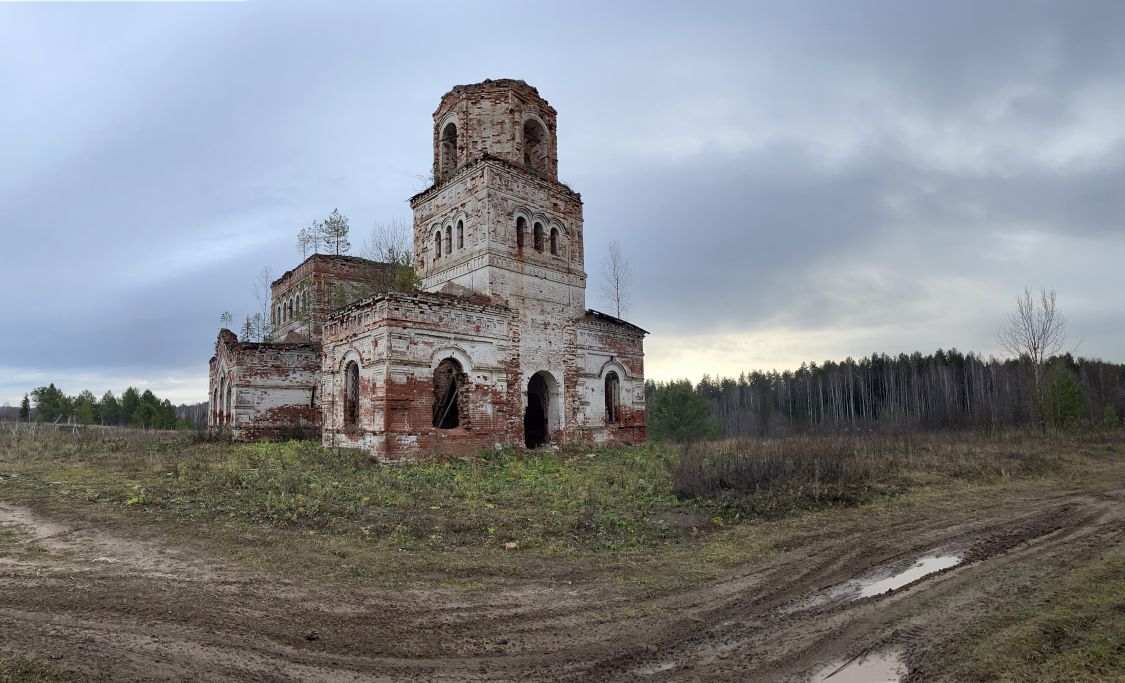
(135, 556)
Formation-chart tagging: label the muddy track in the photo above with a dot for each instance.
(140, 609)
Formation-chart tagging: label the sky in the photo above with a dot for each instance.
(789, 181)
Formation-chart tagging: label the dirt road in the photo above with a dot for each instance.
(133, 608)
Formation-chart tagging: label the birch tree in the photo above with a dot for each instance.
(616, 280)
(1037, 330)
(393, 242)
(262, 319)
(308, 239)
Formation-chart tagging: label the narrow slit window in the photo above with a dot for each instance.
(554, 241)
(538, 237)
(521, 228)
(437, 244)
(460, 234)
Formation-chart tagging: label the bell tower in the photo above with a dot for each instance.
(496, 219)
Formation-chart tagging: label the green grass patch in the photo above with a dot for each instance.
(1072, 630)
(650, 516)
(27, 670)
(543, 502)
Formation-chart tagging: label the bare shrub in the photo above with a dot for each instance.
(774, 476)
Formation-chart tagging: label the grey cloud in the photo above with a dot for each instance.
(823, 166)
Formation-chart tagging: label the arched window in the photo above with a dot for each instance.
(521, 228)
(449, 239)
(448, 380)
(554, 241)
(230, 405)
(448, 149)
(351, 393)
(221, 401)
(612, 396)
(538, 236)
(460, 234)
(535, 145)
(437, 244)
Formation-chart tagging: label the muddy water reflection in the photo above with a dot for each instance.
(875, 667)
(925, 565)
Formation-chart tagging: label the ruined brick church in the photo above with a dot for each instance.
(497, 348)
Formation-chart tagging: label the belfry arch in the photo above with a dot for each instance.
(448, 149)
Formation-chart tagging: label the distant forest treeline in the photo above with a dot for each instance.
(133, 408)
(946, 389)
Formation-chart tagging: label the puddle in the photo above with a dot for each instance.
(655, 669)
(876, 583)
(924, 566)
(871, 667)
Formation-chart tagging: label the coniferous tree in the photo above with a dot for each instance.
(130, 400)
(51, 404)
(678, 413)
(109, 409)
(85, 405)
(334, 233)
(25, 409)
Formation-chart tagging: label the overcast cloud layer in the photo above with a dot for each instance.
(791, 181)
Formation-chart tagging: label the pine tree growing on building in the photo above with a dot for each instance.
(334, 233)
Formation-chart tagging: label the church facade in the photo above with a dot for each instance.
(497, 348)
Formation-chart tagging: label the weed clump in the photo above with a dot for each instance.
(773, 477)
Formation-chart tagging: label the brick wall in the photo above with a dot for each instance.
(311, 291)
(272, 388)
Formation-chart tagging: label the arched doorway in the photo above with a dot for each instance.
(612, 396)
(351, 394)
(536, 416)
(448, 378)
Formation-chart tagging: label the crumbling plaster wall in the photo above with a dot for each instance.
(273, 387)
(398, 340)
(490, 117)
(605, 346)
(488, 197)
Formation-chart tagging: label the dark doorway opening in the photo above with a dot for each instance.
(351, 394)
(535, 432)
(448, 378)
(612, 396)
